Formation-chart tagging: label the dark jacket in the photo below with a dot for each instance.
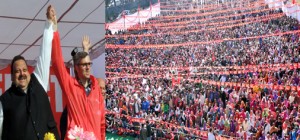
(27, 116)
(149, 130)
(143, 134)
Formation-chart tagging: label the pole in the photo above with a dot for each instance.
(150, 8)
(139, 14)
(123, 16)
(198, 9)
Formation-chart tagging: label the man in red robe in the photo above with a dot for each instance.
(85, 103)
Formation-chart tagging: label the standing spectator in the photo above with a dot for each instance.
(143, 132)
(145, 105)
(210, 134)
(149, 130)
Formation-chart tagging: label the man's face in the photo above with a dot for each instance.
(20, 75)
(102, 86)
(84, 68)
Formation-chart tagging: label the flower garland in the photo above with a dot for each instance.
(49, 136)
(77, 133)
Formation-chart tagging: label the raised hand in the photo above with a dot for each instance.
(86, 44)
(51, 16)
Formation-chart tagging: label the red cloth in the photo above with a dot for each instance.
(175, 81)
(87, 112)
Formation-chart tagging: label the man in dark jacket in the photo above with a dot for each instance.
(143, 132)
(149, 130)
(26, 107)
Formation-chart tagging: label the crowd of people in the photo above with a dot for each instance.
(163, 88)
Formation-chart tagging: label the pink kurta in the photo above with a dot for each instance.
(87, 112)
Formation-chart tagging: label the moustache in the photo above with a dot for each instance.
(22, 77)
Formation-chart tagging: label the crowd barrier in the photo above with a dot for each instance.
(192, 132)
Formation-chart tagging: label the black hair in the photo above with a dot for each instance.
(16, 58)
(78, 55)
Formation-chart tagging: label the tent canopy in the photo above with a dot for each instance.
(22, 23)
